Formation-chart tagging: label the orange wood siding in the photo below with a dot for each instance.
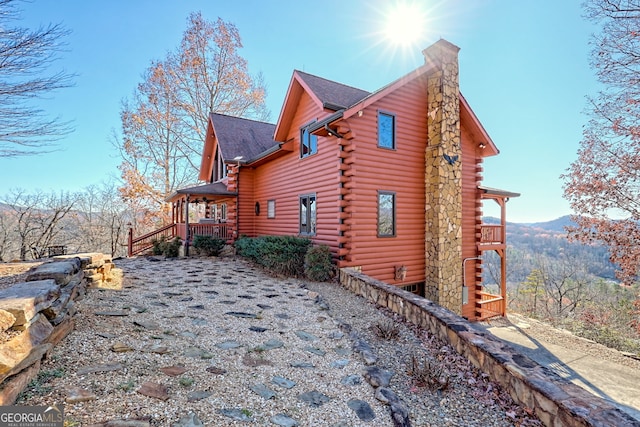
(471, 218)
(366, 169)
(288, 177)
(400, 171)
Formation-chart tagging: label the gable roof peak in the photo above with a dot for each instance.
(331, 94)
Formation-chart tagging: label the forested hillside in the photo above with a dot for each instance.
(531, 246)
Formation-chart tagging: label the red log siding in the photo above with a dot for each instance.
(471, 218)
(368, 169)
(288, 177)
(401, 171)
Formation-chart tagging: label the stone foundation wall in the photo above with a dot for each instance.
(37, 314)
(556, 401)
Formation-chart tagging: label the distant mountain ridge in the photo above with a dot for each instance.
(529, 244)
(557, 225)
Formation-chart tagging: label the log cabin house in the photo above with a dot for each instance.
(389, 180)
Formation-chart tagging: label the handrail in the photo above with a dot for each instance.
(490, 305)
(490, 233)
(142, 243)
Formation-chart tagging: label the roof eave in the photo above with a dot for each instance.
(297, 87)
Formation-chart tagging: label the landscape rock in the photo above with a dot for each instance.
(154, 390)
(25, 300)
(314, 398)
(283, 382)
(61, 272)
(194, 396)
(378, 377)
(237, 414)
(6, 320)
(386, 395)
(283, 420)
(190, 420)
(362, 409)
(400, 415)
(264, 391)
(77, 395)
(173, 371)
(14, 352)
(120, 347)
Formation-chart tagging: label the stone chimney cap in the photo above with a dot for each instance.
(440, 49)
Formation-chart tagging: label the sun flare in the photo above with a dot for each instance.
(405, 24)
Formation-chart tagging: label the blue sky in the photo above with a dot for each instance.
(523, 68)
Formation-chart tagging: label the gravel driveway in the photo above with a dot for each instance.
(217, 342)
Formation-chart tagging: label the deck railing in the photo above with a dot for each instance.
(221, 231)
(491, 234)
(142, 243)
(491, 305)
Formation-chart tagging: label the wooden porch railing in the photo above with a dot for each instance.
(491, 234)
(491, 305)
(221, 231)
(142, 243)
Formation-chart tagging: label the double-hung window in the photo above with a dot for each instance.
(308, 142)
(386, 214)
(308, 214)
(386, 130)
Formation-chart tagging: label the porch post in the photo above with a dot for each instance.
(503, 256)
(186, 227)
(130, 243)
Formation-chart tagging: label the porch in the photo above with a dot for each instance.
(204, 210)
(493, 237)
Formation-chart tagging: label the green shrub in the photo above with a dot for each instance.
(168, 248)
(279, 254)
(158, 246)
(317, 263)
(208, 245)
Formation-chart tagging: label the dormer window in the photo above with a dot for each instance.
(386, 130)
(308, 142)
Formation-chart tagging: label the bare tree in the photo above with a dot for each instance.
(154, 162)
(211, 76)
(39, 219)
(603, 184)
(6, 231)
(100, 220)
(163, 128)
(25, 59)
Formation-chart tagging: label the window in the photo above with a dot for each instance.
(386, 214)
(308, 142)
(308, 214)
(386, 130)
(271, 208)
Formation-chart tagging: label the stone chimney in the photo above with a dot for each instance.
(443, 179)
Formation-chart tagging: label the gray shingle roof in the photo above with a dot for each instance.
(332, 92)
(242, 137)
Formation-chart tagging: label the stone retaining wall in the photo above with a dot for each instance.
(555, 400)
(37, 314)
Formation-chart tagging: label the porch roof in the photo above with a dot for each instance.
(488, 192)
(212, 189)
